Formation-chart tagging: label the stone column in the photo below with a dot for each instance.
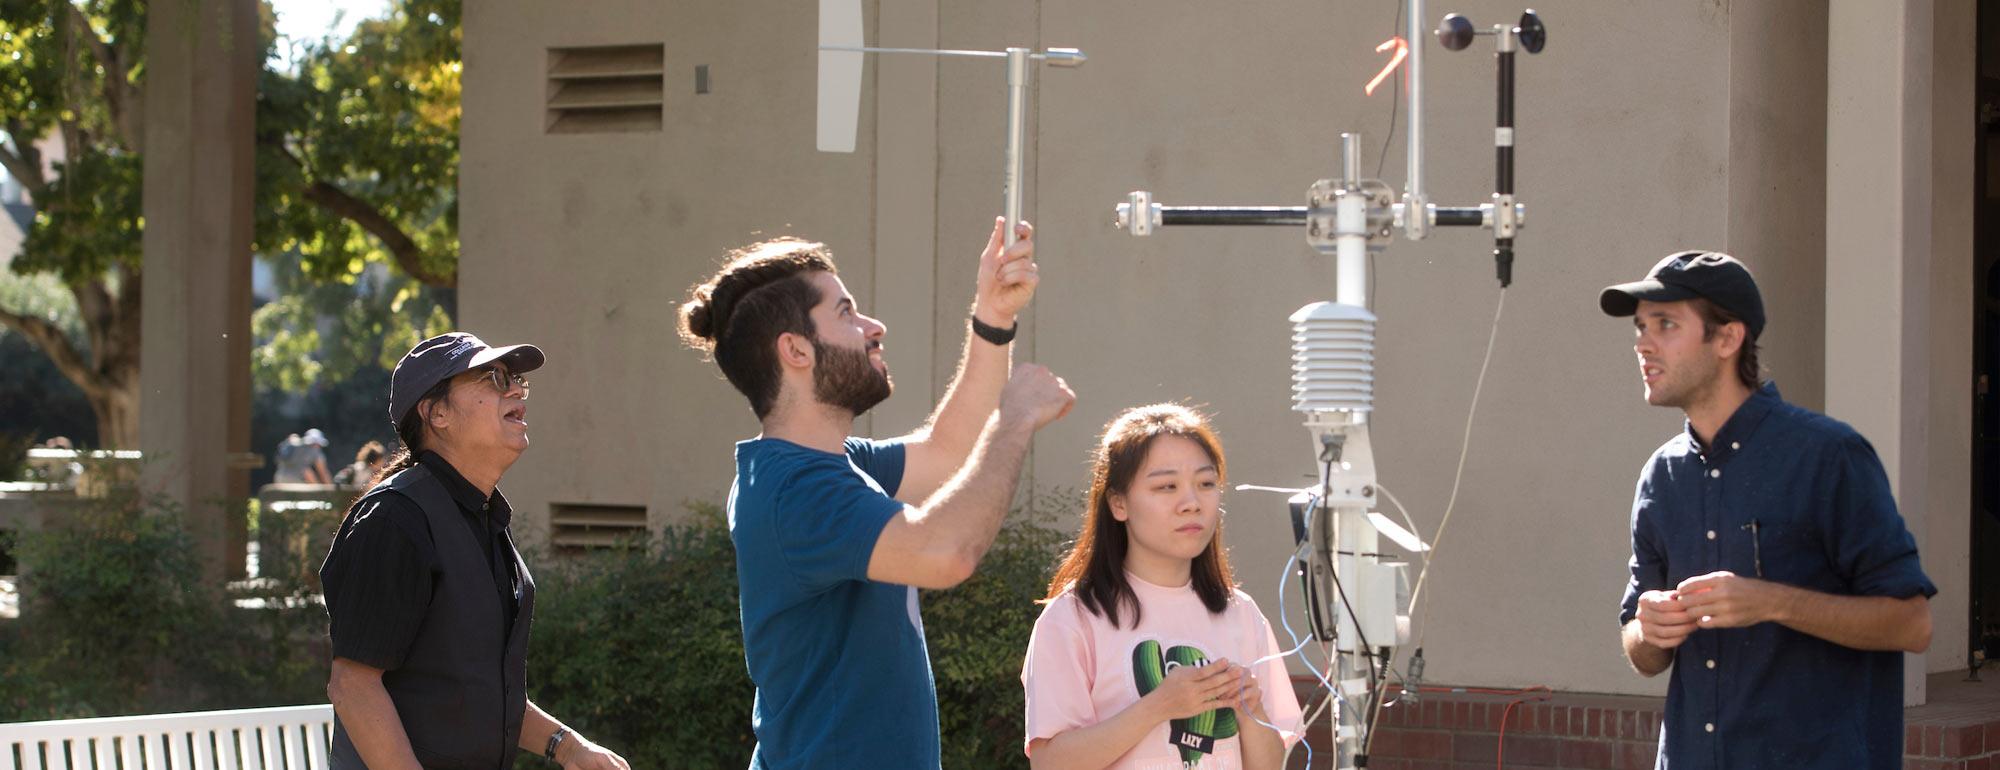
(202, 61)
(1877, 255)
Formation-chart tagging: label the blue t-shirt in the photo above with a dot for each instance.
(1790, 496)
(843, 676)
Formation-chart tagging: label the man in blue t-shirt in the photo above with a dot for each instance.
(834, 534)
(1770, 569)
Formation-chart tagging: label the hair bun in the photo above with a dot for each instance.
(698, 323)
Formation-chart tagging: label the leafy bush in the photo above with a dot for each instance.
(641, 648)
(978, 633)
(117, 618)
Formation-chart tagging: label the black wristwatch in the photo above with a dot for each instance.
(994, 334)
(554, 741)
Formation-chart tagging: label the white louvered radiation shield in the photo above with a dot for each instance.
(1333, 358)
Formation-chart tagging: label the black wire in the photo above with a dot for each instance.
(1395, 98)
(1376, 675)
(1382, 161)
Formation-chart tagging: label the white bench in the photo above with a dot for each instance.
(283, 738)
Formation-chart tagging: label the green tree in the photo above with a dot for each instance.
(357, 162)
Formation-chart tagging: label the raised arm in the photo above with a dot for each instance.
(936, 451)
(938, 544)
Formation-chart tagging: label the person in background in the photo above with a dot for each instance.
(367, 461)
(302, 459)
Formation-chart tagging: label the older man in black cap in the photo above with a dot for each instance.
(428, 599)
(1770, 569)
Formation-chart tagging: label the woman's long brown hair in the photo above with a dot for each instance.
(1095, 565)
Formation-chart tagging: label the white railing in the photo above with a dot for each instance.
(283, 738)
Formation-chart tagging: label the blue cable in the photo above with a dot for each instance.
(1285, 621)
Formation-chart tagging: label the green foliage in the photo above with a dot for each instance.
(88, 220)
(117, 619)
(377, 116)
(641, 648)
(47, 79)
(321, 334)
(357, 167)
(978, 632)
(42, 296)
(365, 123)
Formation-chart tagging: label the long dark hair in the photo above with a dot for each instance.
(1095, 565)
(411, 433)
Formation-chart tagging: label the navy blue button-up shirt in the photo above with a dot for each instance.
(1793, 497)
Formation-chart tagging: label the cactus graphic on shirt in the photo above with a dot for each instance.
(1149, 669)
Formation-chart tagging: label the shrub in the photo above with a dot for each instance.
(640, 648)
(978, 633)
(117, 618)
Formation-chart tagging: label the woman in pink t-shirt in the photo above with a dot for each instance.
(1131, 664)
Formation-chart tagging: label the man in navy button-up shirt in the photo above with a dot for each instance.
(1770, 569)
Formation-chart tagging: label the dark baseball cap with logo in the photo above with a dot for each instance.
(445, 356)
(1710, 275)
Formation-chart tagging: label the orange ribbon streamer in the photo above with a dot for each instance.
(1402, 52)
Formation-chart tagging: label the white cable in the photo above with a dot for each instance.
(1305, 724)
(1424, 554)
(1416, 594)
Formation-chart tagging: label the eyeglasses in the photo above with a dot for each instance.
(503, 381)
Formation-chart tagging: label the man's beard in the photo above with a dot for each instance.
(845, 378)
(1688, 383)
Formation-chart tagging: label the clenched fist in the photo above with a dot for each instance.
(1035, 395)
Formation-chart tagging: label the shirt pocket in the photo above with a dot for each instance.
(1788, 551)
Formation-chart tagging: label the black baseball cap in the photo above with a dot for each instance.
(442, 357)
(1710, 275)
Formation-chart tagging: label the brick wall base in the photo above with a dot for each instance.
(1468, 730)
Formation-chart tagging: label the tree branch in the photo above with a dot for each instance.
(98, 310)
(25, 167)
(117, 86)
(55, 345)
(405, 250)
(73, 139)
(341, 204)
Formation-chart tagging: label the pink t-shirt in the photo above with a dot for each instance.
(1080, 670)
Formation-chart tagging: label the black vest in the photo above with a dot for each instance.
(460, 691)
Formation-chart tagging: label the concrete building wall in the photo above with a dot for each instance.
(585, 243)
(1644, 128)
